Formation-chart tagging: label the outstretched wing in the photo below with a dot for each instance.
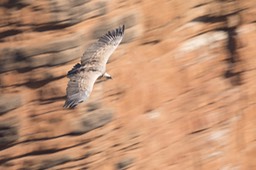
(101, 50)
(80, 85)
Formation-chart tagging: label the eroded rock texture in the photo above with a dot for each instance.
(182, 95)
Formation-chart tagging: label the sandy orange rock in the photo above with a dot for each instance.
(182, 94)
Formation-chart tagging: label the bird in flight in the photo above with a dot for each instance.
(93, 66)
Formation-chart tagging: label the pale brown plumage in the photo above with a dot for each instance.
(93, 65)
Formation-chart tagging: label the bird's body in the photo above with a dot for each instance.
(93, 65)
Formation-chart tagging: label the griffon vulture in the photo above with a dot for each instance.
(93, 66)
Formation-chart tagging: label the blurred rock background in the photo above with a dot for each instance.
(182, 95)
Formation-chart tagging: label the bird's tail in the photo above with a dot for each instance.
(74, 69)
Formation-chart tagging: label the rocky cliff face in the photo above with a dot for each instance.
(182, 95)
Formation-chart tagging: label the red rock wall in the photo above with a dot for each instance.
(182, 95)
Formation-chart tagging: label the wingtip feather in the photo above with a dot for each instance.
(70, 104)
(123, 28)
(110, 35)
